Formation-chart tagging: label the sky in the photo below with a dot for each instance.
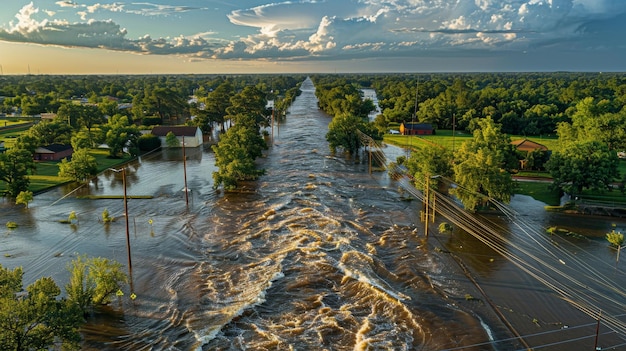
(310, 36)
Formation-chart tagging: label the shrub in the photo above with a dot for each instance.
(148, 142)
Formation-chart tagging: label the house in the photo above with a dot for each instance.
(48, 116)
(417, 129)
(53, 152)
(191, 135)
(526, 145)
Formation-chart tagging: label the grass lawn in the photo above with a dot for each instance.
(539, 191)
(445, 138)
(46, 174)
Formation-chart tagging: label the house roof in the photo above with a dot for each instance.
(52, 149)
(177, 130)
(420, 126)
(528, 145)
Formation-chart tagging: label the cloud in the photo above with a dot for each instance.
(66, 4)
(96, 34)
(325, 29)
(150, 9)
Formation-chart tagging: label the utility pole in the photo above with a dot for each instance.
(426, 200)
(130, 264)
(595, 346)
(185, 174)
(370, 150)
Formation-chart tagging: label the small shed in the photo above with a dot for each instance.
(417, 129)
(53, 152)
(192, 135)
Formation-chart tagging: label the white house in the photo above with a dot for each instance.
(192, 135)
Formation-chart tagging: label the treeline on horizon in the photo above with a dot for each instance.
(531, 104)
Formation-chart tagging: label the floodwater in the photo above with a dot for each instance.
(318, 254)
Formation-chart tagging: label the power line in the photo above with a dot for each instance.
(576, 281)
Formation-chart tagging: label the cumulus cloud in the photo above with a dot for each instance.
(332, 29)
(96, 34)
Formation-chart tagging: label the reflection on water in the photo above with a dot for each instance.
(317, 254)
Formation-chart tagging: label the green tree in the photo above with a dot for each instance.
(250, 102)
(343, 132)
(583, 165)
(93, 281)
(148, 142)
(217, 102)
(616, 239)
(236, 152)
(24, 197)
(35, 319)
(481, 167)
(46, 133)
(81, 168)
(165, 102)
(15, 165)
(427, 162)
(121, 135)
(171, 140)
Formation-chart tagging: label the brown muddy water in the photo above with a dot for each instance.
(317, 255)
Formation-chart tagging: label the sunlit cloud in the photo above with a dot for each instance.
(324, 29)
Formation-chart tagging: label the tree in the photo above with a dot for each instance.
(616, 239)
(24, 197)
(217, 102)
(250, 102)
(165, 102)
(15, 164)
(481, 166)
(46, 133)
(429, 161)
(583, 165)
(81, 168)
(93, 281)
(236, 152)
(342, 132)
(36, 319)
(120, 135)
(148, 142)
(171, 140)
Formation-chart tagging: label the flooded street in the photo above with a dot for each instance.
(316, 254)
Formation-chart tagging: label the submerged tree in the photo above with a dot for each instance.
(428, 162)
(93, 281)
(482, 167)
(236, 152)
(343, 133)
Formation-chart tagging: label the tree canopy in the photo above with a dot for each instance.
(37, 318)
(480, 167)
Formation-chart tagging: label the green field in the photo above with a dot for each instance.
(539, 190)
(46, 174)
(450, 140)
